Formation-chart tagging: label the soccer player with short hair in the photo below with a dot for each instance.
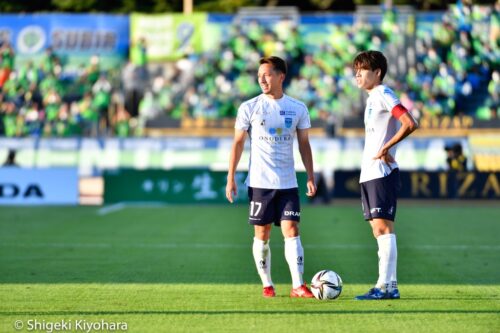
(387, 123)
(272, 120)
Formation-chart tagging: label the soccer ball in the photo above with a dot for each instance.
(326, 284)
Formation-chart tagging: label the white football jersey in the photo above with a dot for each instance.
(381, 124)
(271, 126)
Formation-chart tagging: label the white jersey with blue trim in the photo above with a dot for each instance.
(271, 125)
(380, 127)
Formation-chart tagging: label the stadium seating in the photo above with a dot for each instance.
(455, 73)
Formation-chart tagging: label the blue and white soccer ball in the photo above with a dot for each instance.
(326, 285)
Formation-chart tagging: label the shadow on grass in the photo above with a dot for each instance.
(239, 312)
(76, 263)
(189, 244)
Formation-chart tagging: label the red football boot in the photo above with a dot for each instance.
(268, 292)
(301, 291)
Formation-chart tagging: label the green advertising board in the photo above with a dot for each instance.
(176, 186)
(168, 36)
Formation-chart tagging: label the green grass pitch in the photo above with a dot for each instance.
(190, 269)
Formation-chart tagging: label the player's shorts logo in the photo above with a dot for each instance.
(291, 213)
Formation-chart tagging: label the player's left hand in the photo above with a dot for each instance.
(384, 155)
(311, 188)
(231, 190)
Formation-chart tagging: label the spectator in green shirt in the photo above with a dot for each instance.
(121, 122)
(10, 119)
(102, 100)
(138, 53)
(6, 62)
(51, 63)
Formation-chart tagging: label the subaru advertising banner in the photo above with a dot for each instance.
(51, 186)
(74, 37)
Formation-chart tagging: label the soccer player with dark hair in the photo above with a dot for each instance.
(272, 120)
(387, 123)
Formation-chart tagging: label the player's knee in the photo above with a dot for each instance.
(381, 230)
(290, 233)
(262, 236)
(262, 232)
(291, 230)
(381, 227)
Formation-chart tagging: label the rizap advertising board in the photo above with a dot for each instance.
(54, 186)
(429, 185)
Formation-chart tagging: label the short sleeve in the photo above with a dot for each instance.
(389, 99)
(242, 118)
(304, 120)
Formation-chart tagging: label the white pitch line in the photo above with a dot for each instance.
(121, 205)
(110, 209)
(243, 246)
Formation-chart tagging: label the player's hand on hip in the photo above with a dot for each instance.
(311, 188)
(388, 159)
(384, 155)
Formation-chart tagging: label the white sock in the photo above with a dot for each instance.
(393, 264)
(262, 256)
(387, 255)
(294, 254)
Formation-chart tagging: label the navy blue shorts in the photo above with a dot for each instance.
(379, 197)
(272, 206)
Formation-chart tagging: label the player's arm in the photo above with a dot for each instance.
(307, 159)
(234, 158)
(408, 126)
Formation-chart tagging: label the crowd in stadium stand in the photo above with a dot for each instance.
(457, 68)
(456, 72)
(41, 100)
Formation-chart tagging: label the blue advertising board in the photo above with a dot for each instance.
(72, 36)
